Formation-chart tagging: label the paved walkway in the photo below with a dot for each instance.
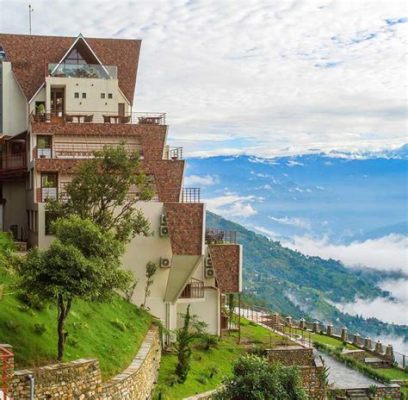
(342, 377)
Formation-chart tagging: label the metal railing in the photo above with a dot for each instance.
(7, 367)
(96, 71)
(193, 290)
(173, 153)
(220, 236)
(100, 117)
(191, 195)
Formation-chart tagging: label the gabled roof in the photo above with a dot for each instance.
(30, 55)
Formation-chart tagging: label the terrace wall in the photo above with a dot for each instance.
(81, 379)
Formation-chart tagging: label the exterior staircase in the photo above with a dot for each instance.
(357, 394)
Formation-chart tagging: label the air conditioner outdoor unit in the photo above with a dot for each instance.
(163, 219)
(209, 272)
(208, 262)
(163, 231)
(165, 262)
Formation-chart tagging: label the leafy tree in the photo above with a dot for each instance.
(7, 249)
(151, 269)
(192, 329)
(83, 262)
(254, 379)
(106, 189)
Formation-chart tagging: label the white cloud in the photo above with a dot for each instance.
(258, 77)
(391, 311)
(267, 232)
(386, 253)
(292, 221)
(197, 180)
(232, 205)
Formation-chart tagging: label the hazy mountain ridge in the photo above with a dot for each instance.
(292, 283)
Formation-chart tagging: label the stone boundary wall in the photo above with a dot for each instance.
(291, 355)
(393, 392)
(81, 379)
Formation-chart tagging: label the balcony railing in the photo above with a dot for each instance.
(13, 161)
(220, 236)
(83, 71)
(191, 195)
(193, 290)
(101, 117)
(173, 153)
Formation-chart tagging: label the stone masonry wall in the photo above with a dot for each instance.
(291, 355)
(81, 379)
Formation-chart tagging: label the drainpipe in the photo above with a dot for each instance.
(32, 386)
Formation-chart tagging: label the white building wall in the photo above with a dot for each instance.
(15, 105)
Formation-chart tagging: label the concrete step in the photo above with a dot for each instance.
(357, 394)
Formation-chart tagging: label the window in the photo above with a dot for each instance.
(110, 96)
(76, 95)
(102, 95)
(48, 219)
(48, 180)
(84, 95)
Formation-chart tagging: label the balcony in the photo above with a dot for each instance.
(193, 290)
(13, 165)
(173, 153)
(95, 71)
(191, 195)
(220, 236)
(101, 117)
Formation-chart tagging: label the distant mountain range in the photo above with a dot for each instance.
(292, 283)
(342, 197)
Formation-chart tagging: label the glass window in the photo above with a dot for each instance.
(76, 95)
(44, 142)
(110, 96)
(84, 95)
(102, 95)
(48, 179)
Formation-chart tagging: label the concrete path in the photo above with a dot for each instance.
(342, 377)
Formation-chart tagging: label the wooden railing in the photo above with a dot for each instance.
(220, 236)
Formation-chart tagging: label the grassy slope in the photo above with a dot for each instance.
(91, 332)
(219, 359)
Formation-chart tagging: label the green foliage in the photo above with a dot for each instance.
(91, 334)
(39, 329)
(83, 262)
(8, 257)
(118, 324)
(191, 330)
(208, 341)
(151, 269)
(255, 379)
(100, 191)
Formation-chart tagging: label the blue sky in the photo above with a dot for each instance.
(254, 77)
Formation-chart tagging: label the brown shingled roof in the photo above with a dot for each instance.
(30, 55)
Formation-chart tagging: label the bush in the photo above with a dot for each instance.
(31, 300)
(208, 341)
(254, 379)
(12, 326)
(39, 329)
(119, 325)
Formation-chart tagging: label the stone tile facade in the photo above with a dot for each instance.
(185, 222)
(81, 379)
(152, 137)
(226, 262)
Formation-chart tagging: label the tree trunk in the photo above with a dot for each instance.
(63, 310)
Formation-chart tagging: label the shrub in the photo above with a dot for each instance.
(39, 329)
(11, 326)
(208, 341)
(31, 300)
(119, 325)
(254, 379)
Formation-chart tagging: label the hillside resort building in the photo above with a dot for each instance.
(62, 98)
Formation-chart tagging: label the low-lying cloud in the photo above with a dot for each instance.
(232, 205)
(303, 223)
(386, 253)
(198, 180)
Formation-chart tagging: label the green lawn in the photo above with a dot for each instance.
(208, 368)
(111, 332)
(394, 373)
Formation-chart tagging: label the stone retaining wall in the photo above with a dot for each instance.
(202, 396)
(291, 355)
(81, 379)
